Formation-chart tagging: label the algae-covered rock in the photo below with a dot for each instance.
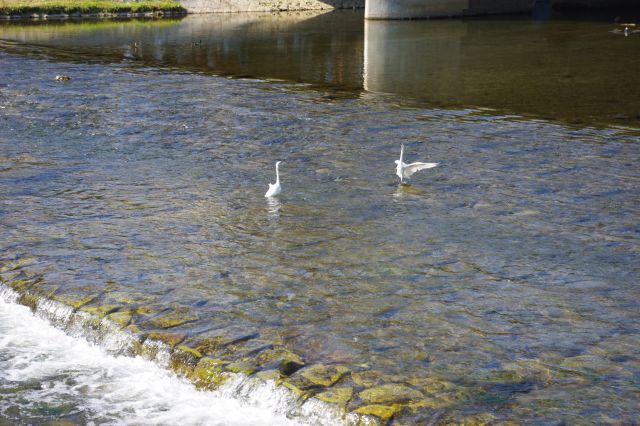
(267, 375)
(29, 300)
(302, 394)
(321, 375)
(390, 393)
(247, 367)
(478, 419)
(23, 284)
(367, 378)
(383, 412)
(207, 345)
(431, 385)
(195, 353)
(184, 359)
(170, 339)
(284, 360)
(99, 311)
(339, 395)
(16, 264)
(208, 373)
(172, 319)
(433, 403)
(122, 318)
(74, 300)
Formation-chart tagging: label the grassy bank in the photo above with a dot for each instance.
(50, 7)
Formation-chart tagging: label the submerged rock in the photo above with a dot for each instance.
(319, 375)
(170, 339)
(390, 393)
(172, 319)
(267, 375)
(122, 318)
(74, 300)
(99, 311)
(284, 360)
(337, 395)
(367, 378)
(383, 412)
(208, 373)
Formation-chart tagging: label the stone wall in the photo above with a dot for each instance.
(209, 6)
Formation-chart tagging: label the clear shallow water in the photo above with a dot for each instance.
(510, 270)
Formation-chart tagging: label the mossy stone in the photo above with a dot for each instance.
(383, 412)
(172, 319)
(29, 300)
(171, 339)
(390, 393)
(286, 361)
(17, 264)
(122, 318)
(74, 300)
(433, 403)
(337, 395)
(366, 378)
(195, 353)
(297, 391)
(208, 373)
(323, 375)
(99, 311)
(268, 375)
(431, 385)
(246, 367)
(479, 419)
(209, 345)
(133, 328)
(22, 285)
(183, 360)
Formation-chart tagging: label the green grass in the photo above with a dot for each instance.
(26, 7)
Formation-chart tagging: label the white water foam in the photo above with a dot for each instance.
(46, 374)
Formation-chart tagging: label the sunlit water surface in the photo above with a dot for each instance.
(518, 256)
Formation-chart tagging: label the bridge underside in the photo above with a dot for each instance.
(420, 9)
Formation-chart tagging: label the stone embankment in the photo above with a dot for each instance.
(101, 15)
(125, 324)
(209, 6)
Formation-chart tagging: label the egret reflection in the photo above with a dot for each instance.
(273, 207)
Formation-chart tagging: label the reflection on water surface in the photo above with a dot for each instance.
(575, 70)
(502, 282)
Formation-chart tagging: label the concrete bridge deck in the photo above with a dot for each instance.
(421, 9)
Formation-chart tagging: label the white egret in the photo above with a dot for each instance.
(404, 170)
(274, 188)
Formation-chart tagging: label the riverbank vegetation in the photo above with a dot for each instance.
(70, 7)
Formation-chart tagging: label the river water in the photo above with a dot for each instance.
(509, 271)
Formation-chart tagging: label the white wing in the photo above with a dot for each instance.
(396, 161)
(410, 169)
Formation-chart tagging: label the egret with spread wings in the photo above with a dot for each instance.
(404, 170)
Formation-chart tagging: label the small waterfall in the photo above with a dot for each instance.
(92, 350)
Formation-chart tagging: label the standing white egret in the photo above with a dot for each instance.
(274, 188)
(405, 170)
